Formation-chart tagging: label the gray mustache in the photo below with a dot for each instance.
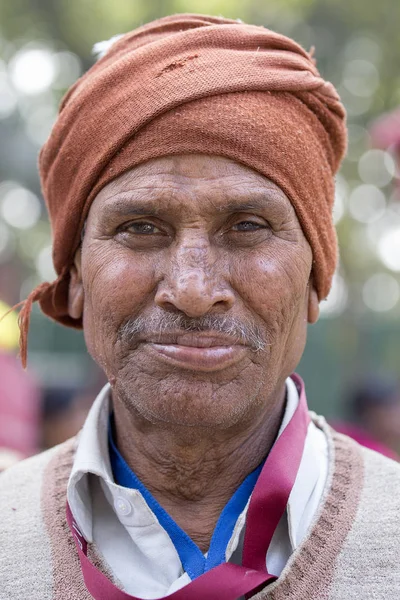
(244, 331)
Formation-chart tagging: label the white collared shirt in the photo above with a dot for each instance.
(127, 533)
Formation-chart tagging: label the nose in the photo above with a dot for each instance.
(194, 284)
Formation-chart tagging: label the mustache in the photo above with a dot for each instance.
(245, 331)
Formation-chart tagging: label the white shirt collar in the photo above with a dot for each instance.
(92, 457)
(302, 502)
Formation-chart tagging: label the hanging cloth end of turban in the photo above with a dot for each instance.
(24, 317)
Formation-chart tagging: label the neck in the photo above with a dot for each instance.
(193, 472)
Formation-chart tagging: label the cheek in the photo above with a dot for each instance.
(115, 286)
(273, 284)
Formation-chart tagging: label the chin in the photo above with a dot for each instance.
(194, 405)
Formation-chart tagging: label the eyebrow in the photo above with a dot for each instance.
(128, 206)
(255, 204)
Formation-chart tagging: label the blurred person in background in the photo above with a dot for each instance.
(189, 180)
(374, 405)
(19, 398)
(64, 410)
(63, 413)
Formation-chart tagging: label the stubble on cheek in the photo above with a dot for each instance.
(280, 284)
(110, 294)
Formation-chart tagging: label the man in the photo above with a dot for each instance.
(189, 181)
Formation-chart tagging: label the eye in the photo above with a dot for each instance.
(142, 227)
(248, 226)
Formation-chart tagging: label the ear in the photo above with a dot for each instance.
(313, 304)
(75, 293)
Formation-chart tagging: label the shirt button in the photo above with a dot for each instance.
(122, 506)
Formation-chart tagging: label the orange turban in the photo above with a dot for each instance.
(193, 84)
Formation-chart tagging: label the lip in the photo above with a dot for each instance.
(210, 357)
(192, 339)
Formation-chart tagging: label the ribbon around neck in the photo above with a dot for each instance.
(267, 505)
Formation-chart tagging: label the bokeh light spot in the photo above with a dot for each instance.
(376, 167)
(19, 207)
(33, 70)
(389, 249)
(367, 203)
(44, 264)
(361, 78)
(381, 292)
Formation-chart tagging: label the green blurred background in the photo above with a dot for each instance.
(46, 44)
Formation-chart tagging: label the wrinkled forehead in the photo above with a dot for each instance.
(211, 185)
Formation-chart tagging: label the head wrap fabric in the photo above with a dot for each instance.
(194, 84)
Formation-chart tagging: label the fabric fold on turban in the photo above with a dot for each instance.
(193, 84)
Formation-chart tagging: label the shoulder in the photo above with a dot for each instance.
(369, 555)
(21, 484)
(377, 477)
(379, 474)
(371, 467)
(380, 494)
(25, 550)
(379, 466)
(27, 474)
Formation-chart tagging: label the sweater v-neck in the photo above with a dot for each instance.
(311, 565)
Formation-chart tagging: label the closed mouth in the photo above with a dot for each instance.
(197, 352)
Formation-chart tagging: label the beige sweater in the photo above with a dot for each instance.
(352, 550)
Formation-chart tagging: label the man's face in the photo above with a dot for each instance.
(193, 279)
